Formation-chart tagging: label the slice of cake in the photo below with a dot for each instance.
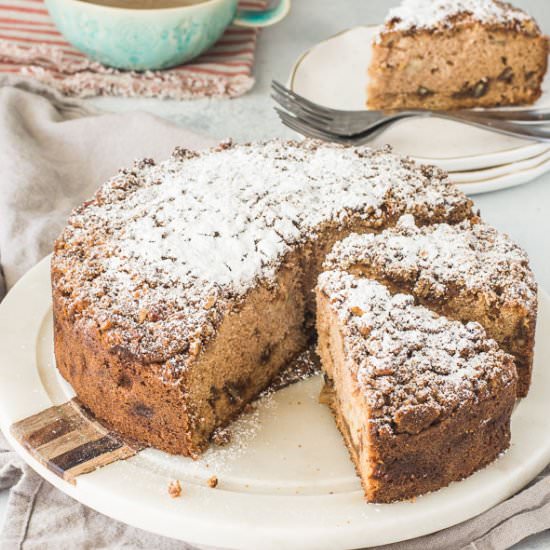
(421, 400)
(455, 54)
(468, 272)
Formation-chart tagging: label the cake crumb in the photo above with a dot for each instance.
(142, 315)
(174, 489)
(213, 482)
(221, 437)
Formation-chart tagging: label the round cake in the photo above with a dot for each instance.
(183, 288)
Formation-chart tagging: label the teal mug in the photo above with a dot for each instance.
(118, 34)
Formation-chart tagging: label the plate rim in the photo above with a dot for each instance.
(495, 172)
(91, 488)
(505, 181)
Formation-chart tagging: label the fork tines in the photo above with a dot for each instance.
(358, 127)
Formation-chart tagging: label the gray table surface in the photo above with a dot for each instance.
(523, 212)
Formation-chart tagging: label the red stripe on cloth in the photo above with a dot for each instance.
(21, 9)
(212, 65)
(241, 63)
(34, 40)
(225, 53)
(26, 22)
(31, 30)
(196, 69)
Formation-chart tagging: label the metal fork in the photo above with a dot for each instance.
(329, 124)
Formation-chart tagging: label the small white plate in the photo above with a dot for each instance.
(474, 176)
(476, 182)
(286, 481)
(334, 73)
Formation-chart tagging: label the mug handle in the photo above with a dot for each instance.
(263, 18)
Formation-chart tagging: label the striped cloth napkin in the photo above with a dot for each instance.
(31, 46)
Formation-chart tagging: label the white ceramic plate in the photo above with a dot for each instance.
(473, 176)
(285, 482)
(476, 182)
(334, 73)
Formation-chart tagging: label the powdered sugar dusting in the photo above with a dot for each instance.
(437, 260)
(164, 251)
(414, 367)
(429, 14)
(243, 431)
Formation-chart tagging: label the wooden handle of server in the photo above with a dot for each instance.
(70, 442)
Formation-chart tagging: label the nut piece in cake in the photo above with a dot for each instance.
(421, 400)
(455, 54)
(468, 272)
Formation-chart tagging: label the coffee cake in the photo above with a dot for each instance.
(455, 54)
(181, 289)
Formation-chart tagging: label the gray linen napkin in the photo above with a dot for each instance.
(54, 153)
(52, 158)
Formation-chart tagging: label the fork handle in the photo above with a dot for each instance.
(503, 126)
(532, 133)
(525, 116)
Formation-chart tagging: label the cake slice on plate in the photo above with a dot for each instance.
(421, 400)
(455, 54)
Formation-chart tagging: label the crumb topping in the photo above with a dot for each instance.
(221, 437)
(213, 482)
(414, 367)
(174, 489)
(440, 260)
(433, 14)
(160, 254)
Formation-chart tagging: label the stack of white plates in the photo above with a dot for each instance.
(478, 160)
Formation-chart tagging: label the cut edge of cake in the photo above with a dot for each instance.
(467, 272)
(421, 401)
